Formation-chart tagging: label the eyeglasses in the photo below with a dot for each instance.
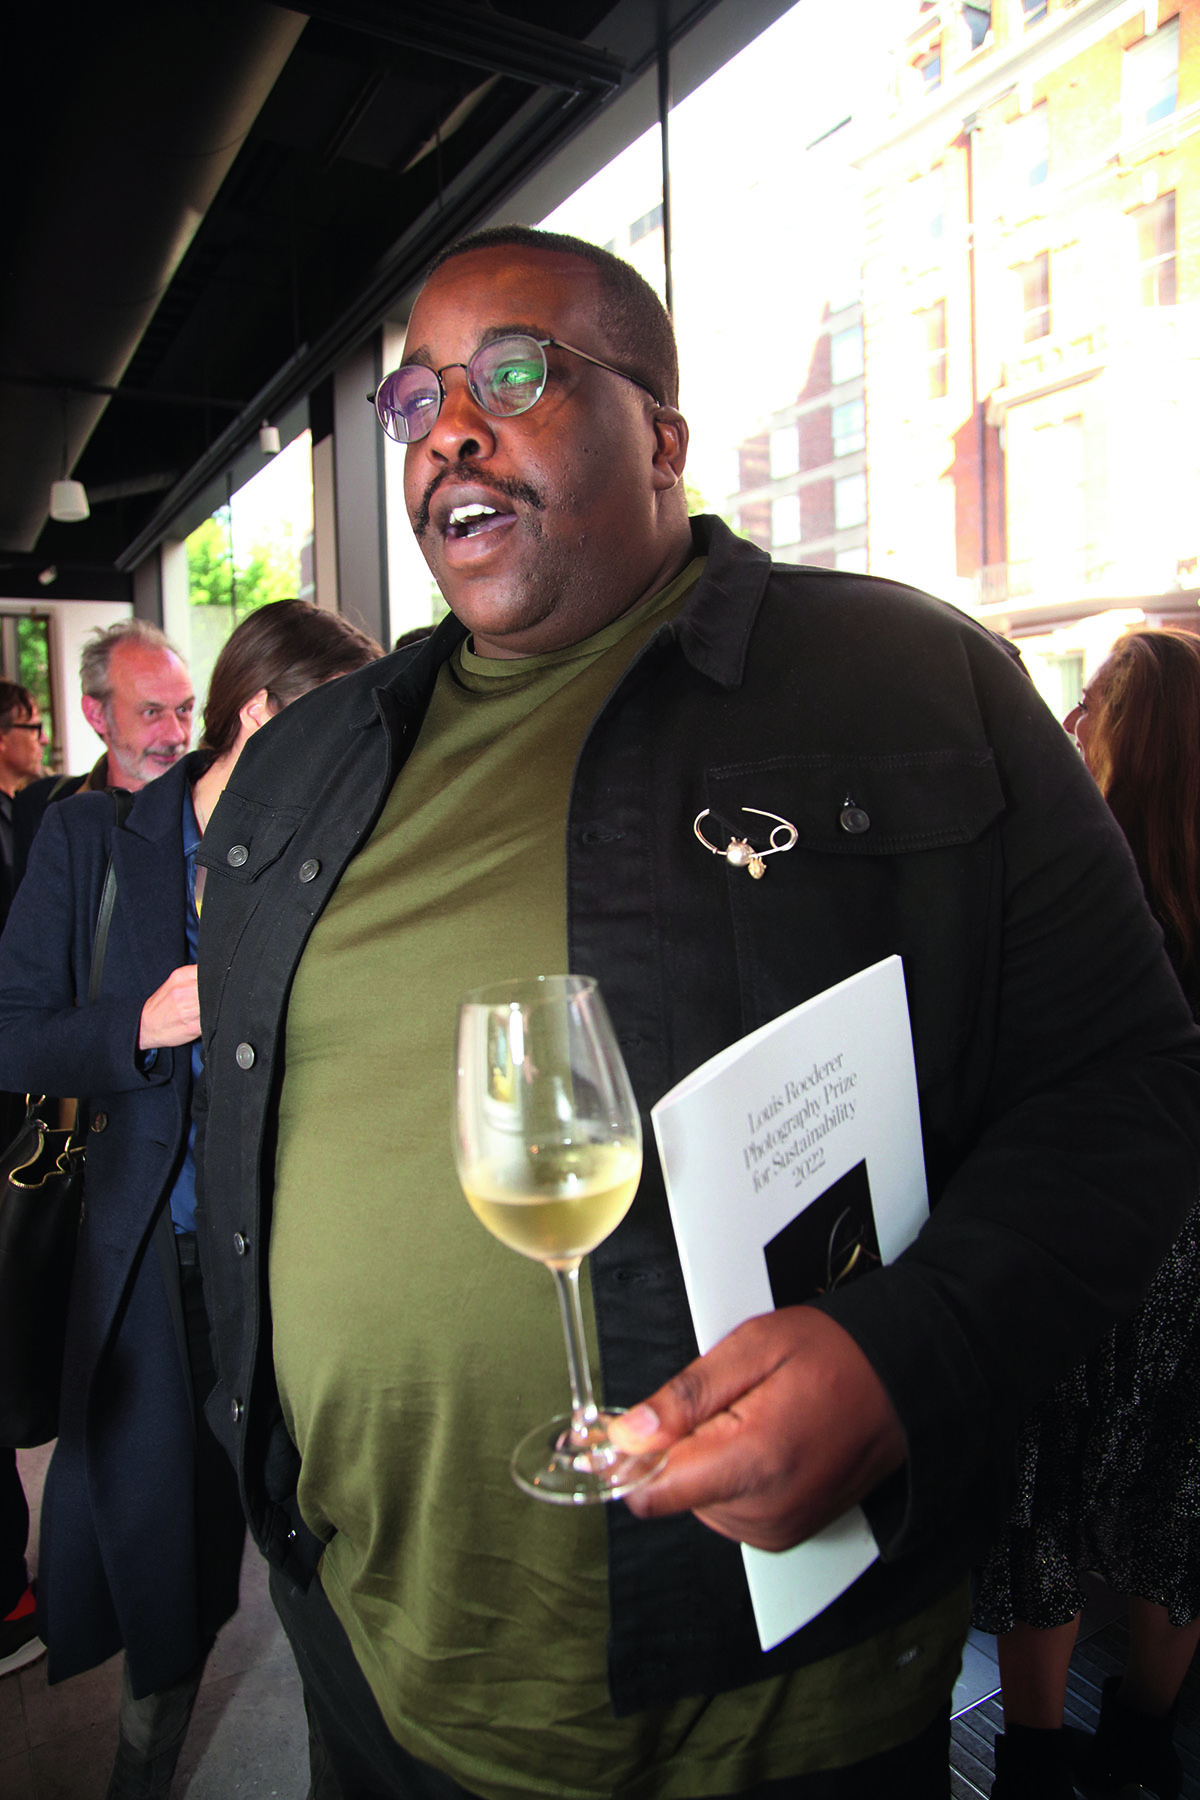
(18, 725)
(505, 377)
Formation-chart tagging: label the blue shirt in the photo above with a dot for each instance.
(183, 1194)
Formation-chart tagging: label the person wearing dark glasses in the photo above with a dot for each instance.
(517, 795)
(22, 749)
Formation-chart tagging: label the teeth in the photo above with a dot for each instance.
(464, 515)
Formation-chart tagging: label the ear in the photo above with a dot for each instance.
(93, 712)
(670, 446)
(256, 712)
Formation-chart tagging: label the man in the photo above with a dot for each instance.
(137, 696)
(22, 746)
(517, 796)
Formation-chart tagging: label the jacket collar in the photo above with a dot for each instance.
(715, 625)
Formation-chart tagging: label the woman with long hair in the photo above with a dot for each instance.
(142, 1529)
(1109, 1475)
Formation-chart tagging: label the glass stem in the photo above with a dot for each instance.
(584, 1411)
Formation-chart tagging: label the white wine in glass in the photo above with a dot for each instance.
(548, 1148)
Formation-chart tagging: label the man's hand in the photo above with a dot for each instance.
(171, 1016)
(780, 1429)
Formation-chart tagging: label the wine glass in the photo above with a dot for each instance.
(548, 1148)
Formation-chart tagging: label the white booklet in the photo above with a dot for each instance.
(793, 1160)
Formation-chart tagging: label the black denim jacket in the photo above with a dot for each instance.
(1057, 1064)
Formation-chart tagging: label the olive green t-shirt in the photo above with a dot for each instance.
(412, 1350)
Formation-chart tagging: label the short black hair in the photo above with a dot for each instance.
(16, 703)
(633, 319)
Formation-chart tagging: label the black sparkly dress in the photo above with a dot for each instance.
(1109, 1467)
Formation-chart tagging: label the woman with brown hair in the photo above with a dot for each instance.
(142, 1529)
(1109, 1476)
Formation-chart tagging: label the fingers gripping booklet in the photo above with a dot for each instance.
(793, 1163)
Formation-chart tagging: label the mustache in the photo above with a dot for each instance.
(509, 486)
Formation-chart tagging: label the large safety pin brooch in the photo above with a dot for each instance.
(740, 853)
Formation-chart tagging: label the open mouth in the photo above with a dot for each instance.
(473, 520)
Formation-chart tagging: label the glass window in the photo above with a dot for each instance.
(1035, 12)
(849, 427)
(784, 451)
(978, 21)
(850, 502)
(932, 323)
(1155, 226)
(1150, 78)
(256, 549)
(930, 67)
(25, 659)
(1059, 680)
(846, 354)
(1028, 149)
(649, 221)
(785, 521)
(1035, 296)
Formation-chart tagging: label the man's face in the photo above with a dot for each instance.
(147, 721)
(22, 748)
(576, 534)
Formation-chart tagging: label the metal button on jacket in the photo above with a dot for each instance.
(241, 1244)
(308, 871)
(236, 855)
(100, 1122)
(235, 1411)
(854, 819)
(244, 1056)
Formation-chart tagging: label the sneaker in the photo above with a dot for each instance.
(19, 1641)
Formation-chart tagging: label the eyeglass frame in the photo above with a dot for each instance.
(27, 725)
(543, 345)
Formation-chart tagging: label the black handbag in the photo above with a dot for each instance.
(41, 1204)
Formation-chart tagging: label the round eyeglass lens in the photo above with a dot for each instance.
(508, 376)
(407, 402)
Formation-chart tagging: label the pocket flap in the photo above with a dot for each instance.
(245, 837)
(880, 805)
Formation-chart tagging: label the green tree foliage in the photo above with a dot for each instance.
(269, 572)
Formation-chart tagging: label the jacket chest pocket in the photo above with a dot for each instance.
(894, 855)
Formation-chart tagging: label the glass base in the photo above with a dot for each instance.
(550, 1466)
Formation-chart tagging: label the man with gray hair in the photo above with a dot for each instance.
(137, 697)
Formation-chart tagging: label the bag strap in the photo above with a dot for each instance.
(122, 801)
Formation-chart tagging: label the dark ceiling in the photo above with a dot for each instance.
(208, 203)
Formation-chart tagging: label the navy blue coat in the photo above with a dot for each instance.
(118, 1553)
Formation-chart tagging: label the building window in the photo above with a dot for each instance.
(1028, 141)
(784, 451)
(846, 354)
(923, 218)
(651, 221)
(1035, 12)
(1156, 250)
(932, 322)
(978, 20)
(785, 521)
(929, 68)
(849, 502)
(849, 428)
(1035, 296)
(1150, 78)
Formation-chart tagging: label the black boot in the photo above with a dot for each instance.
(1131, 1751)
(1032, 1765)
